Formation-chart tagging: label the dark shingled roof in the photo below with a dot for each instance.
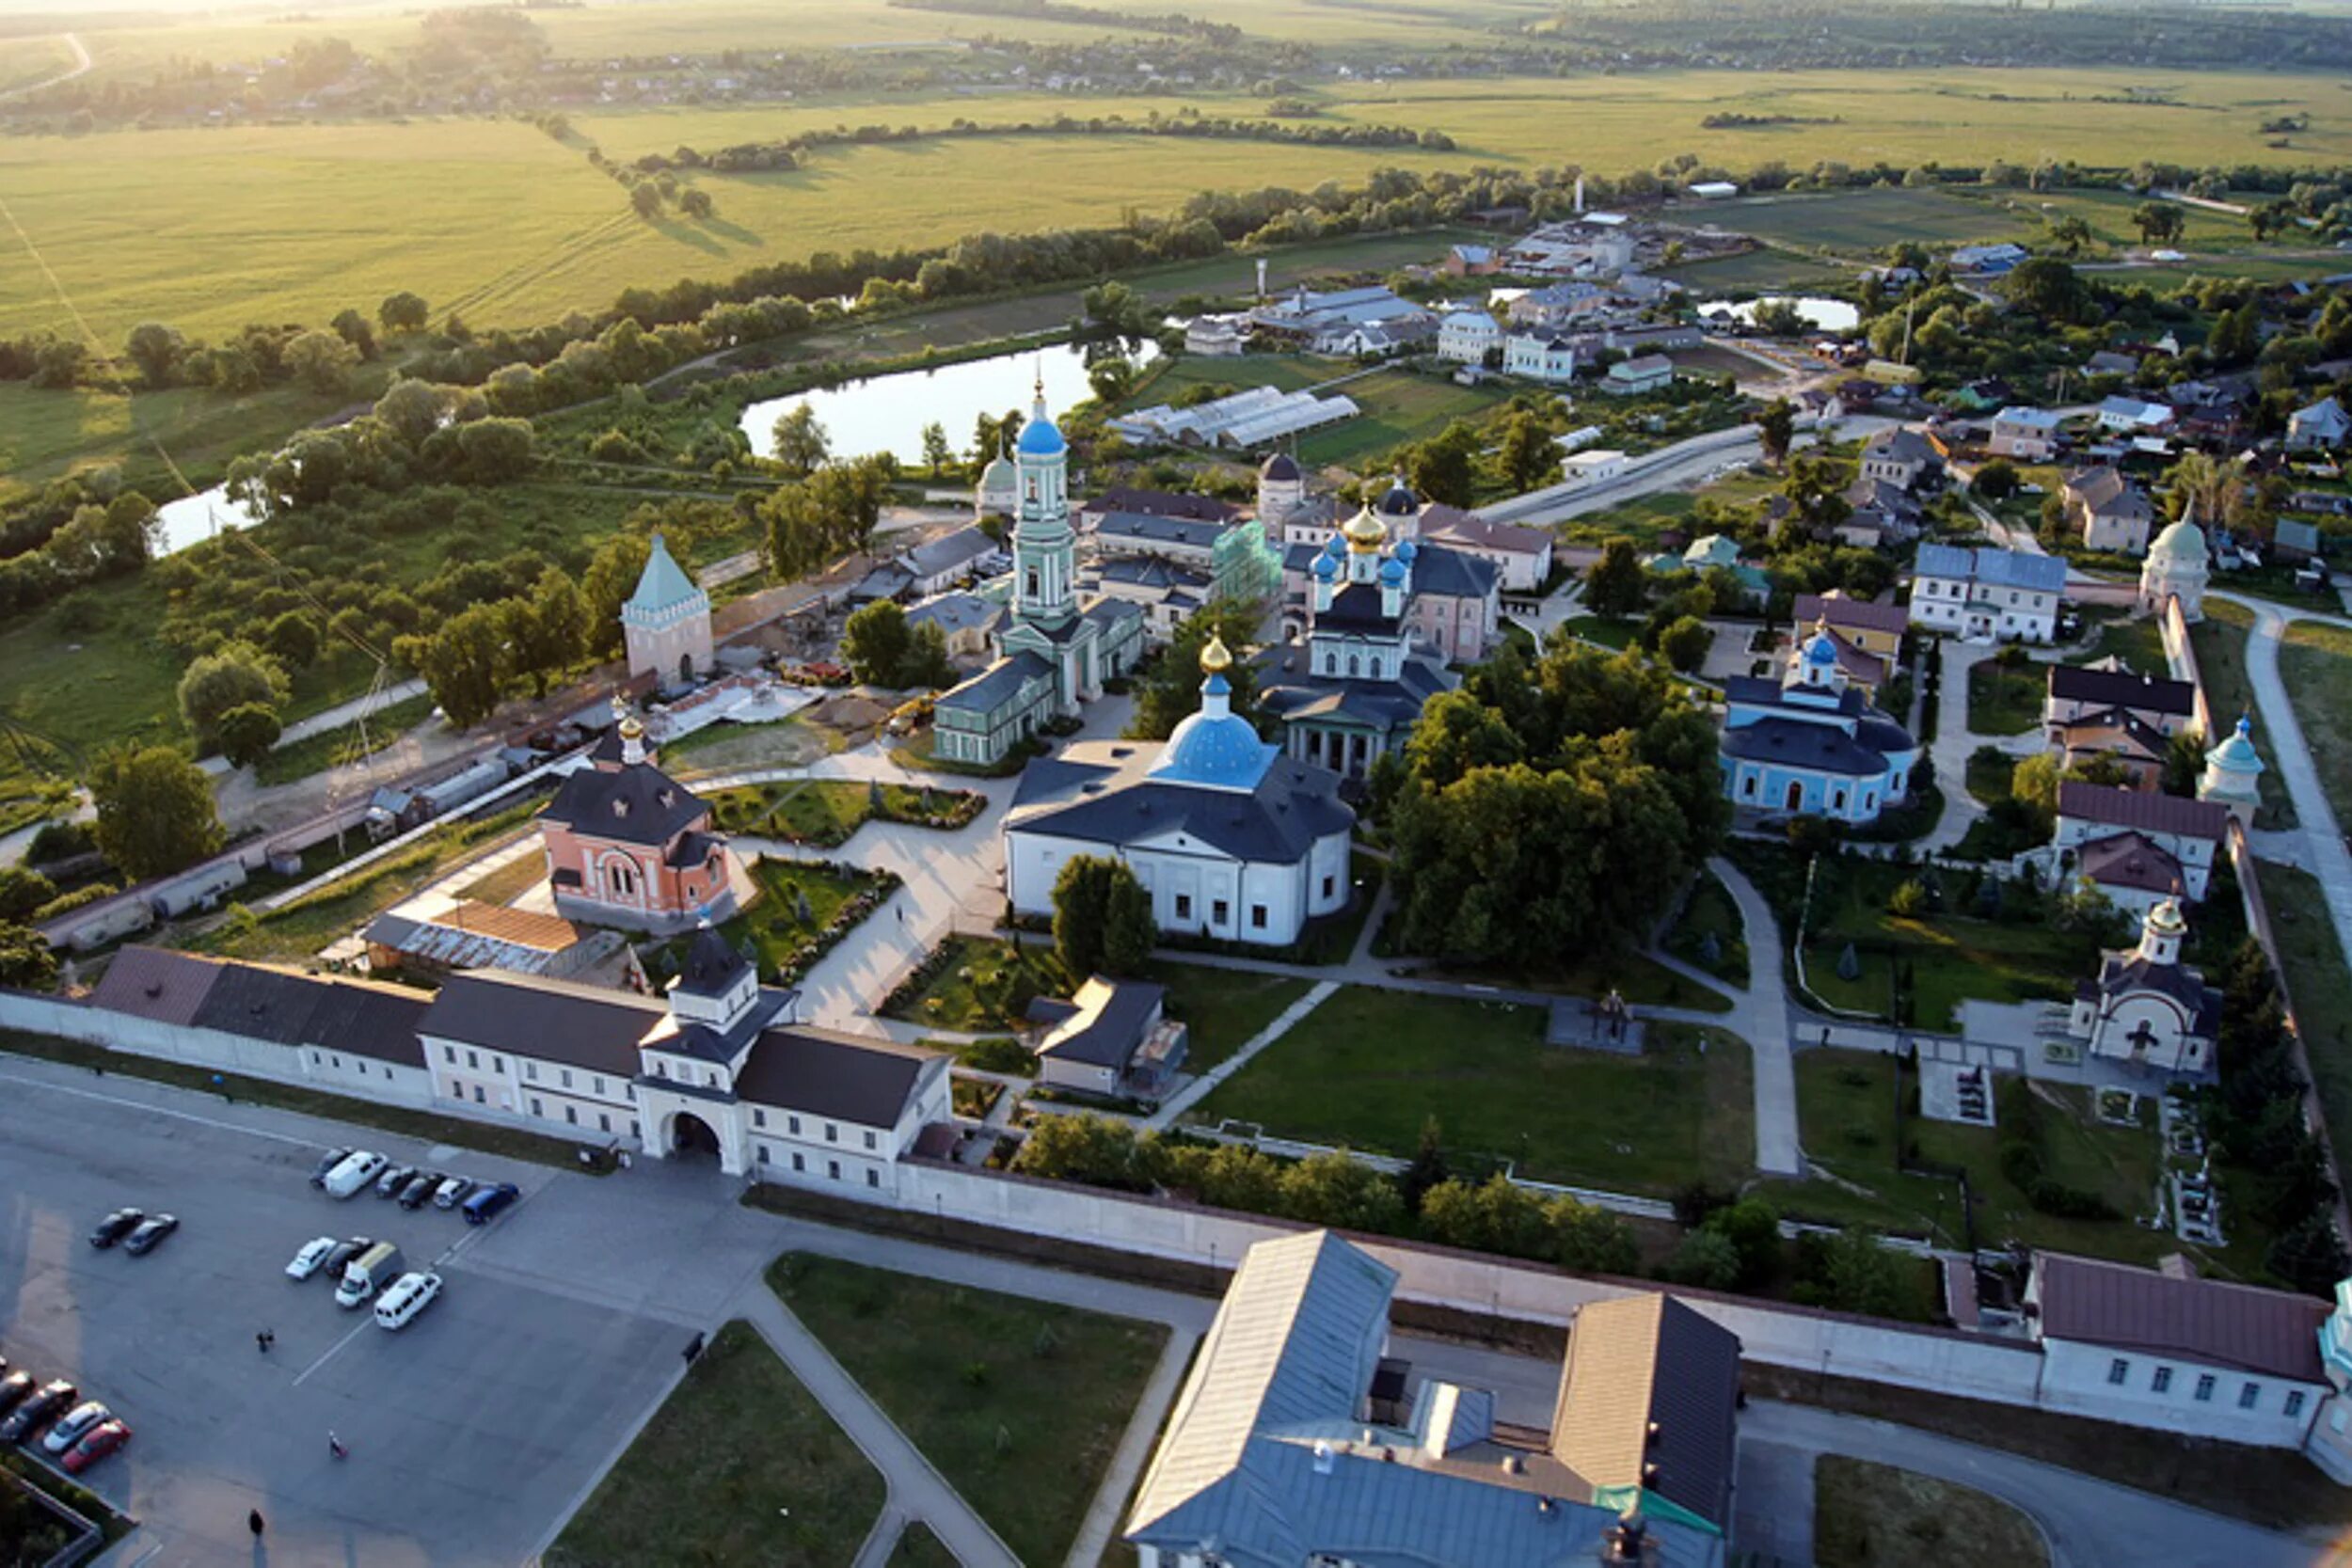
(1840, 610)
(1165, 504)
(1113, 1033)
(1294, 804)
(2120, 689)
(2131, 860)
(1648, 1398)
(2127, 972)
(2206, 1321)
(636, 803)
(1794, 743)
(2143, 809)
(156, 984)
(369, 1021)
(260, 1004)
(820, 1072)
(557, 1020)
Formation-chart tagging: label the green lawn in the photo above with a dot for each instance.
(1858, 220)
(1608, 633)
(1870, 1515)
(1710, 913)
(1368, 1067)
(2321, 985)
(2005, 700)
(1953, 955)
(2315, 665)
(2138, 642)
(919, 1548)
(826, 811)
(1642, 521)
(341, 747)
(740, 1464)
(2219, 640)
(1019, 1403)
(1845, 1108)
(1223, 1009)
(784, 937)
(1766, 268)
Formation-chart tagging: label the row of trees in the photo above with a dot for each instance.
(2257, 1118)
(471, 659)
(881, 649)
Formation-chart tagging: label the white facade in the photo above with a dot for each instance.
(2028, 434)
(2162, 1391)
(1592, 468)
(1466, 337)
(1195, 887)
(1629, 377)
(2146, 1009)
(1969, 609)
(2176, 568)
(1551, 361)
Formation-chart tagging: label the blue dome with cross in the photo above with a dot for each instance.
(1041, 438)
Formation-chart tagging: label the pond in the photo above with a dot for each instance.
(1828, 315)
(888, 413)
(200, 516)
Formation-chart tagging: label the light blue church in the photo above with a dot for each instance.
(1809, 745)
(1054, 651)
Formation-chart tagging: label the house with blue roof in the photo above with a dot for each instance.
(1982, 594)
(1298, 1442)
(666, 622)
(1810, 744)
(1229, 838)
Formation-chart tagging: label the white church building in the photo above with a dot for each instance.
(1229, 837)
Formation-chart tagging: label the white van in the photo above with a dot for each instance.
(410, 1295)
(355, 1173)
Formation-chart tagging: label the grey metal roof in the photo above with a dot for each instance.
(260, 1004)
(1794, 743)
(820, 1072)
(2043, 574)
(1102, 792)
(557, 1020)
(1454, 574)
(635, 803)
(952, 552)
(1122, 1012)
(996, 685)
(374, 1020)
(1144, 530)
(1165, 503)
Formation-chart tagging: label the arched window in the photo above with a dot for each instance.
(1352, 665)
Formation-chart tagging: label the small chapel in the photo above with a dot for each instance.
(2147, 1009)
(629, 846)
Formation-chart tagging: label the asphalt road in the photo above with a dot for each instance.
(471, 1431)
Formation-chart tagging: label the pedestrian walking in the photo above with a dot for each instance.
(255, 1523)
(335, 1447)
(261, 1341)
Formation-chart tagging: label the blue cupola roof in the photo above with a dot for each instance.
(1820, 649)
(1041, 438)
(1393, 570)
(1216, 748)
(1327, 566)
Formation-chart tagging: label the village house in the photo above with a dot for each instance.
(1631, 377)
(1557, 305)
(1113, 1038)
(2024, 434)
(2121, 740)
(2178, 841)
(1469, 261)
(1982, 593)
(2107, 510)
(1521, 556)
(1216, 337)
(1904, 458)
(2127, 415)
(2106, 689)
(2318, 426)
(964, 620)
(1467, 337)
(1538, 358)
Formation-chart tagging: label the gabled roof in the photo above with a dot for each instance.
(1857, 614)
(1163, 503)
(2031, 418)
(1106, 1023)
(558, 1021)
(2106, 491)
(999, 682)
(1148, 528)
(1900, 444)
(1648, 1399)
(2078, 683)
(823, 1072)
(2131, 860)
(634, 803)
(1469, 529)
(2202, 1321)
(156, 984)
(2142, 808)
(947, 554)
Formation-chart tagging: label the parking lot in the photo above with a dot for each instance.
(471, 1431)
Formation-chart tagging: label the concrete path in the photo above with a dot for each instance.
(1197, 1089)
(1105, 1514)
(1761, 1015)
(917, 1490)
(2088, 1524)
(2282, 737)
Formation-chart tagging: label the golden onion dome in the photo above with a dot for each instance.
(1215, 656)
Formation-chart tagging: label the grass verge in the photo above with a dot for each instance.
(2316, 666)
(740, 1464)
(2321, 985)
(1868, 1515)
(1019, 1403)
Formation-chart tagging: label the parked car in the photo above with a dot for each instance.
(355, 1172)
(308, 1261)
(95, 1445)
(419, 1189)
(392, 1182)
(484, 1205)
(74, 1425)
(333, 1157)
(341, 1258)
(38, 1410)
(452, 1193)
(115, 1227)
(149, 1234)
(410, 1294)
(13, 1388)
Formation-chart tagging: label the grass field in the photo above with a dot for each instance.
(1019, 1403)
(2219, 640)
(2005, 700)
(739, 1464)
(341, 747)
(1869, 1515)
(2321, 985)
(2315, 665)
(1368, 1067)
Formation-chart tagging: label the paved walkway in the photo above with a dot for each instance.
(1761, 1014)
(2282, 737)
(1197, 1089)
(917, 1491)
(1105, 1514)
(2088, 1524)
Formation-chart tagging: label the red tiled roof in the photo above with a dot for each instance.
(2142, 808)
(2205, 1321)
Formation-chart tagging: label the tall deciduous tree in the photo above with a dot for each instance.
(548, 630)
(248, 733)
(465, 662)
(403, 313)
(875, 641)
(1616, 585)
(155, 812)
(801, 443)
(1526, 457)
(1775, 428)
(235, 675)
(322, 361)
(611, 578)
(936, 452)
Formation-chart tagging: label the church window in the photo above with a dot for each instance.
(1353, 665)
(2204, 1387)
(1219, 911)
(2294, 1402)
(1257, 916)
(1034, 590)
(1326, 887)
(1184, 906)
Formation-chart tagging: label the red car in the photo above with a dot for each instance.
(95, 1445)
